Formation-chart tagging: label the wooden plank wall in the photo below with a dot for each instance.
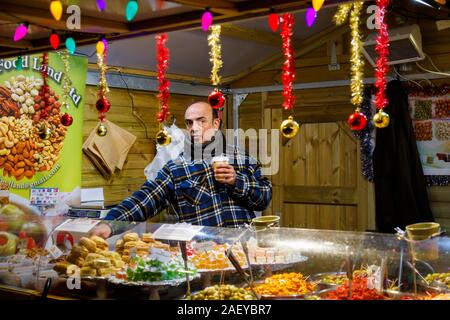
(318, 180)
(324, 154)
(146, 104)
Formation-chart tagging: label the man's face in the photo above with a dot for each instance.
(200, 123)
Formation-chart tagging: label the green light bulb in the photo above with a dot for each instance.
(131, 10)
(70, 45)
(19, 64)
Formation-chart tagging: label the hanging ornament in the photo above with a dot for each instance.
(163, 137)
(311, 16)
(56, 9)
(317, 4)
(357, 121)
(274, 21)
(66, 120)
(216, 98)
(207, 19)
(356, 59)
(289, 128)
(102, 130)
(44, 132)
(341, 15)
(162, 54)
(70, 45)
(382, 48)
(381, 119)
(103, 105)
(131, 10)
(288, 74)
(21, 31)
(54, 40)
(101, 5)
(19, 63)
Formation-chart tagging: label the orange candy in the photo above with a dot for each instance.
(285, 284)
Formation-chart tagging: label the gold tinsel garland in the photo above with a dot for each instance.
(66, 80)
(356, 59)
(215, 53)
(341, 15)
(103, 85)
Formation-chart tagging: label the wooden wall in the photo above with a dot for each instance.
(322, 165)
(318, 185)
(146, 104)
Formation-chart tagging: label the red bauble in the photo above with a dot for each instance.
(66, 120)
(357, 121)
(103, 105)
(216, 99)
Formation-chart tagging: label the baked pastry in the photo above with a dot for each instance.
(74, 259)
(147, 237)
(118, 263)
(88, 272)
(79, 251)
(114, 255)
(79, 262)
(161, 245)
(61, 267)
(101, 263)
(105, 271)
(119, 244)
(100, 242)
(88, 244)
(132, 236)
(130, 244)
(92, 257)
(64, 267)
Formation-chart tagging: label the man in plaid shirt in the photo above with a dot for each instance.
(225, 196)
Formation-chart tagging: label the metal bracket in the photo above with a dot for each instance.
(238, 99)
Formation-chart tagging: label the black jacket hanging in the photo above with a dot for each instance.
(400, 189)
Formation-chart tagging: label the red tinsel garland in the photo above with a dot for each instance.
(162, 53)
(288, 75)
(45, 89)
(382, 48)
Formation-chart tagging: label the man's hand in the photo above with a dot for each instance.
(225, 173)
(101, 230)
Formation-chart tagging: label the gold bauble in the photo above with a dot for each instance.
(381, 119)
(163, 138)
(45, 132)
(289, 128)
(102, 130)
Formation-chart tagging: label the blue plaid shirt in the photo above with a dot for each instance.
(190, 189)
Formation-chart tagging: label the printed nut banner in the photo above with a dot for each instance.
(39, 151)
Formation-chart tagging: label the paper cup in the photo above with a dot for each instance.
(219, 160)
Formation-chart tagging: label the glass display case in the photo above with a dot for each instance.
(59, 258)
